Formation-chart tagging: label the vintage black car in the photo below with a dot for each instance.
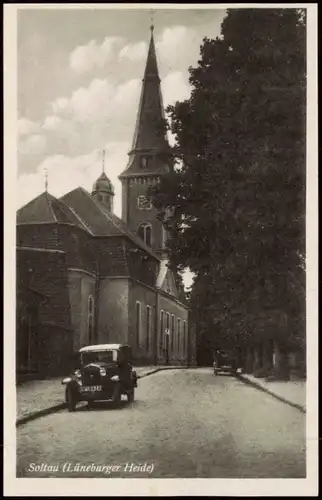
(225, 361)
(102, 373)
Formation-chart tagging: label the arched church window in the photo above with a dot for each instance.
(90, 304)
(148, 235)
(161, 329)
(141, 232)
(145, 233)
(90, 319)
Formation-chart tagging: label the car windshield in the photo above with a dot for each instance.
(99, 356)
(224, 354)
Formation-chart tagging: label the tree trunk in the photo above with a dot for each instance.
(257, 359)
(267, 355)
(281, 369)
(249, 361)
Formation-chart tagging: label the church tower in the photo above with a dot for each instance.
(149, 158)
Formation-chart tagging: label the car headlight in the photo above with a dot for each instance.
(115, 378)
(102, 372)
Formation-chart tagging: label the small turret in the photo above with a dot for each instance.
(103, 190)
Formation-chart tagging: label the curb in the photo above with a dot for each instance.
(162, 368)
(271, 393)
(40, 413)
(62, 406)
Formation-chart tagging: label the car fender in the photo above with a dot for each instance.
(134, 379)
(73, 385)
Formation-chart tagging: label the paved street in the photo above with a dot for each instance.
(184, 423)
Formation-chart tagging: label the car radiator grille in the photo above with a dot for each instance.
(92, 378)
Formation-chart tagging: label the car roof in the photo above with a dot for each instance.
(102, 347)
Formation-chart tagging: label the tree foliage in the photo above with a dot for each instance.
(239, 185)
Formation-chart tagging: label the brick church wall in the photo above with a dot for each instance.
(38, 236)
(78, 246)
(111, 256)
(55, 350)
(45, 273)
(144, 349)
(178, 347)
(113, 318)
(141, 265)
(81, 285)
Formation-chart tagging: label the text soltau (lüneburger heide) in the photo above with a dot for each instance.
(68, 467)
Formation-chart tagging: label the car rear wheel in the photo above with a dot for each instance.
(70, 399)
(130, 395)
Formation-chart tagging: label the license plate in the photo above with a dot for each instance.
(91, 388)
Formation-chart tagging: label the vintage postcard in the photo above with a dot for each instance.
(160, 250)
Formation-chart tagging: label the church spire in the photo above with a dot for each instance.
(149, 135)
(151, 67)
(149, 158)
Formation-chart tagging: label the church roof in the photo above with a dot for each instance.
(45, 208)
(99, 220)
(149, 135)
(165, 279)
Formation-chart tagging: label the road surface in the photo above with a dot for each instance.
(183, 424)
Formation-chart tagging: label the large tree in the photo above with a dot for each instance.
(239, 185)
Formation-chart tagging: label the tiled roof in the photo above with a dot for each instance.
(99, 220)
(48, 209)
(112, 257)
(165, 279)
(84, 206)
(162, 273)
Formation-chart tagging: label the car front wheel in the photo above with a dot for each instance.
(117, 396)
(130, 395)
(70, 399)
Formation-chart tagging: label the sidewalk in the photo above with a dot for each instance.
(37, 398)
(290, 392)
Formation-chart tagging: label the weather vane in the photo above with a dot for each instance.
(152, 12)
(46, 180)
(103, 160)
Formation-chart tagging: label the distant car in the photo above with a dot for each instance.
(103, 373)
(225, 361)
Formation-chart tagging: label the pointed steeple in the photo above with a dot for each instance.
(151, 67)
(149, 135)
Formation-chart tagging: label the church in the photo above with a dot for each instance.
(85, 276)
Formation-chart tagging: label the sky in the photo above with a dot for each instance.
(79, 80)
